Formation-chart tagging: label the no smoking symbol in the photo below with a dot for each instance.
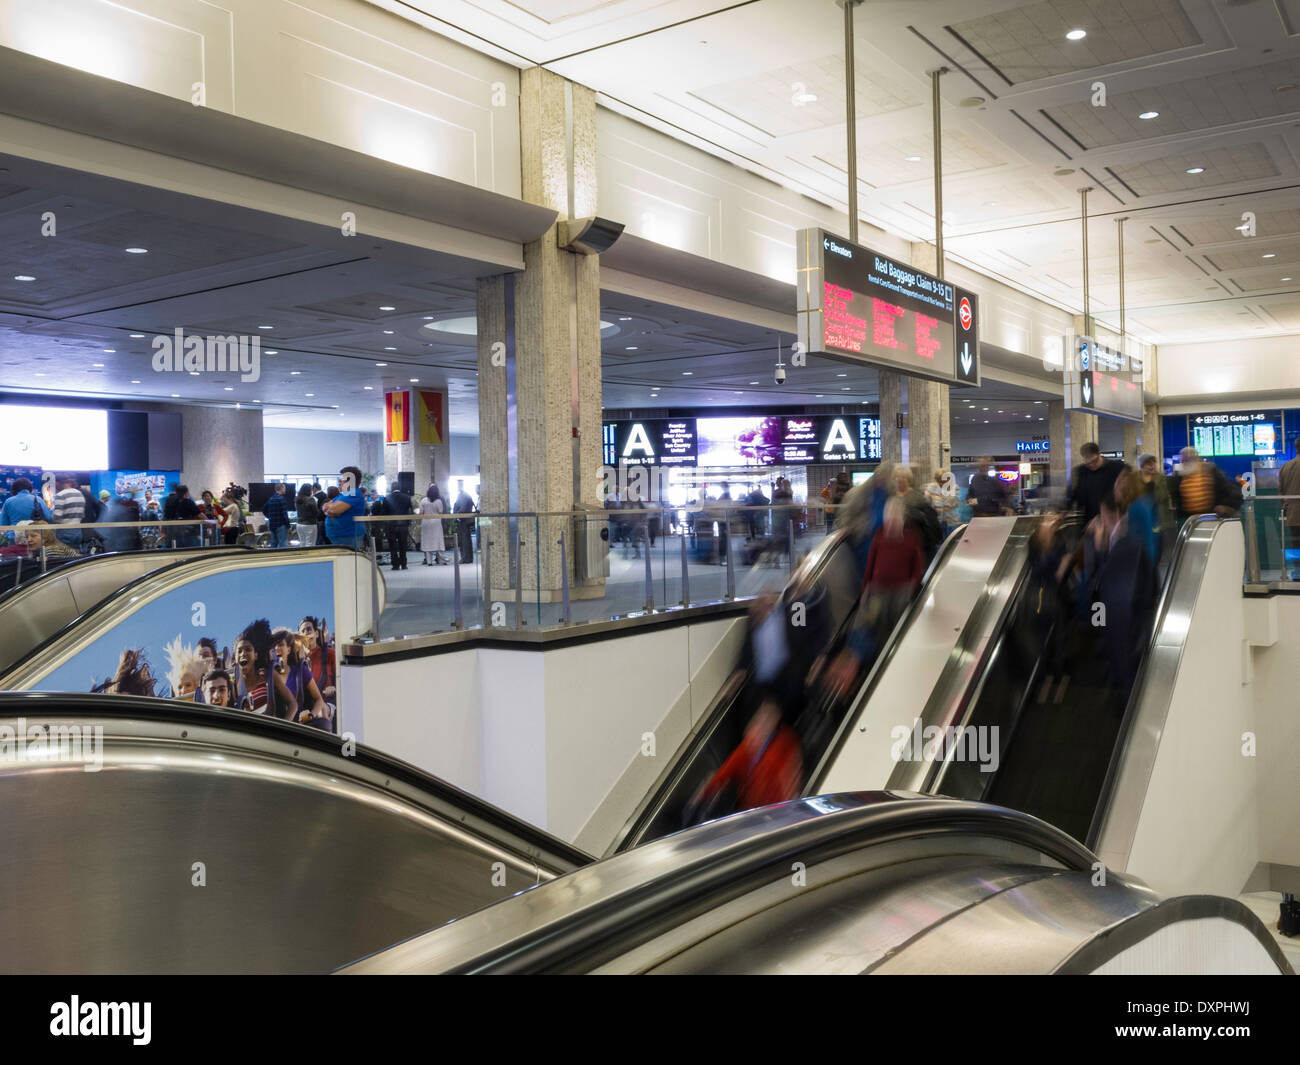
(964, 312)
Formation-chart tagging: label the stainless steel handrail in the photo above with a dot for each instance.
(1154, 681)
(629, 897)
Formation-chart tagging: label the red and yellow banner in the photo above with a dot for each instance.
(429, 417)
(397, 417)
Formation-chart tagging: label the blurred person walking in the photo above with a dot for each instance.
(1200, 487)
(1092, 481)
(276, 512)
(465, 532)
(69, 509)
(919, 512)
(1155, 488)
(988, 494)
(942, 494)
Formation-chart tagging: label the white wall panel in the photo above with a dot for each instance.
(1218, 371)
(342, 71)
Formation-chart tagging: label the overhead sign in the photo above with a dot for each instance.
(1235, 433)
(857, 304)
(968, 345)
(747, 440)
(1101, 380)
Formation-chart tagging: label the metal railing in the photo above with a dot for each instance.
(1271, 524)
(526, 569)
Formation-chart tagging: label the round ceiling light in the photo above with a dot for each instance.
(1076, 35)
(1148, 115)
(468, 327)
(137, 251)
(1196, 170)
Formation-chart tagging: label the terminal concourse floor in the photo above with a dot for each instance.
(420, 598)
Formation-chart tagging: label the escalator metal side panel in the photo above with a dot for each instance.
(1124, 791)
(1032, 928)
(587, 918)
(934, 658)
(309, 855)
(814, 784)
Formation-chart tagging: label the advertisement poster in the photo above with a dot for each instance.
(9, 474)
(257, 640)
(132, 484)
(750, 441)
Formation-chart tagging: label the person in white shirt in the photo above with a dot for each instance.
(431, 541)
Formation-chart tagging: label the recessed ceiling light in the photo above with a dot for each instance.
(913, 159)
(632, 348)
(135, 382)
(137, 251)
(386, 308)
(845, 389)
(841, 375)
(971, 101)
(1076, 35)
(1270, 255)
(389, 349)
(294, 373)
(194, 373)
(986, 421)
(270, 351)
(388, 332)
(1286, 279)
(740, 393)
(415, 380)
(428, 318)
(257, 401)
(24, 277)
(1196, 170)
(819, 396)
(806, 98)
(381, 364)
(176, 395)
(753, 382)
(229, 389)
(1148, 115)
(110, 351)
(625, 319)
(687, 373)
(97, 365)
(310, 395)
(990, 203)
(137, 336)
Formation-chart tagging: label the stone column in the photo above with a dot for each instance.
(1131, 442)
(929, 432)
(1060, 449)
(1079, 429)
(1152, 438)
(554, 361)
(495, 350)
(891, 405)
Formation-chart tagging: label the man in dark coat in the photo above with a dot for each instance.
(1093, 480)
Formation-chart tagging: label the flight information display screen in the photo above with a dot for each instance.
(1235, 433)
(874, 305)
(858, 303)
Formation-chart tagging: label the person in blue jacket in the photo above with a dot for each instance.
(23, 505)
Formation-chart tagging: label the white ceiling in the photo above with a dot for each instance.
(1021, 135)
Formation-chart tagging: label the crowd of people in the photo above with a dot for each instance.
(316, 514)
(275, 672)
(1094, 583)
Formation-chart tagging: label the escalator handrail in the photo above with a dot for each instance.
(134, 587)
(87, 561)
(881, 664)
(38, 706)
(709, 865)
(1167, 912)
(1015, 554)
(1110, 782)
(641, 818)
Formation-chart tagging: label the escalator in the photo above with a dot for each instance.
(1060, 732)
(63, 630)
(834, 569)
(883, 884)
(37, 609)
(154, 836)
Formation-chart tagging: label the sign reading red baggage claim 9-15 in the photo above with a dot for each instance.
(855, 303)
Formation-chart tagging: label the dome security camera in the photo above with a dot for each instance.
(779, 375)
